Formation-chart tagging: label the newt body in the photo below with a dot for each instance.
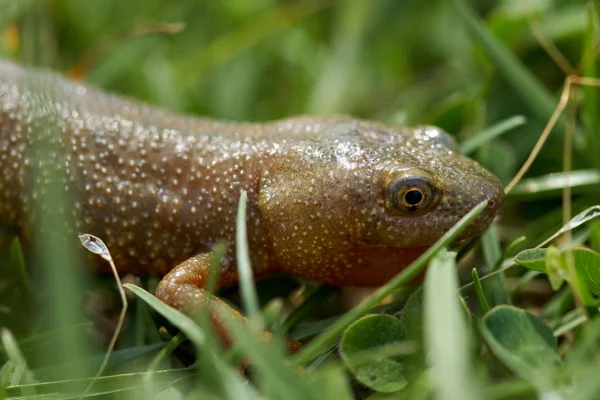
(334, 199)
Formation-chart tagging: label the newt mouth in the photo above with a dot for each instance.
(482, 222)
(373, 266)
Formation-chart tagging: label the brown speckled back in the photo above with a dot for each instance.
(159, 187)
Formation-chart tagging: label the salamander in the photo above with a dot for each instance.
(338, 200)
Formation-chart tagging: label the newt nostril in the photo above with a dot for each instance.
(494, 192)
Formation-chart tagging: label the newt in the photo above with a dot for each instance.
(338, 200)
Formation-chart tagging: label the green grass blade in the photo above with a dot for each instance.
(165, 352)
(247, 288)
(492, 253)
(446, 333)
(104, 385)
(491, 133)
(14, 354)
(216, 259)
(589, 65)
(216, 376)
(551, 185)
(18, 260)
(180, 320)
(118, 357)
(483, 304)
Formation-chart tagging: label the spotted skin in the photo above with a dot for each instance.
(161, 189)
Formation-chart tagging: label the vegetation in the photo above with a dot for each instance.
(514, 316)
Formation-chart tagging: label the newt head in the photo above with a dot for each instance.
(425, 187)
(367, 199)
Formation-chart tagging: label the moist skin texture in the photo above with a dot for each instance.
(161, 189)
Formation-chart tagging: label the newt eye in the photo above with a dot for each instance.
(411, 193)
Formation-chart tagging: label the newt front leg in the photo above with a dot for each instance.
(184, 288)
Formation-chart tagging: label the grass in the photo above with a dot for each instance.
(484, 72)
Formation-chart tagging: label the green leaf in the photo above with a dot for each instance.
(412, 319)
(369, 333)
(412, 315)
(446, 332)
(533, 259)
(523, 343)
(586, 261)
(595, 235)
(556, 267)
